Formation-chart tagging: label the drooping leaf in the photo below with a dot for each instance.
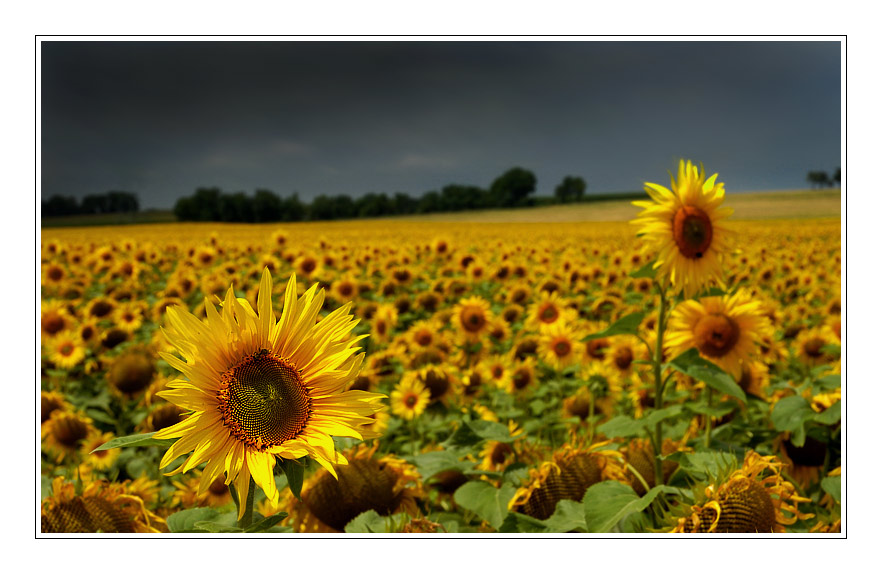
(830, 415)
(627, 325)
(266, 523)
(790, 415)
(606, 503)
(692, 364)
(832, 485)
(368, 522)
(136, 440)
(489, 503)
(294, 470)
(185, 520)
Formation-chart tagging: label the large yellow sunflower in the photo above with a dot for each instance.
(684, 226)
(724, 329)
(259, 388)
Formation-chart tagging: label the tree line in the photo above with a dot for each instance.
(820, 178)
(514, 188)
(110, 202)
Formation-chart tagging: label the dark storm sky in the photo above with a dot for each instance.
(162, 118)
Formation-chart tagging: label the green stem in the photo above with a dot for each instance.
(659, 383)
(709, 393)
(245, 522)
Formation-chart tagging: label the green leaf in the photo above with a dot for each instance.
(830, 415)
(490, 430)
(214, 527)
(294, 472)
(45, 486)
(790, 415)
(431, 463)
(646, 272)
(185, 520)
(135, 440)
(704, 465)
(627, 325)
(464, 436)
(831, 381)
(832, 485)
(489, 503)
(366, 522)
(654, 417)
(621, 426)
(516, 473)
(266, 523)
(606, 503)
(515, 522)
(569, 515)
(692, 364)
(717, 410)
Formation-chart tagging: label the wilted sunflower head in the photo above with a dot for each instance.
(102, 507)
(385, 484)
(752, 499)
(684, 228)
(132, 371)
(566, 476)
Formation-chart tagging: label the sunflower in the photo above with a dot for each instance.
(54, 318)
(99, 460)
(102, 507)
(549, 309)
(132, 371)
(523, 375)
(259, 388)
(65, 434)
(754, 498)
(684, 226)
(188, 494)
(66, 350)
(50, 401)
(724, 329)
(410, 398)
(472, 317)
(809, 346)
(559, 345)
(566, 476)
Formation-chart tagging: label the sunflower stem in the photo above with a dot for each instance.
(659, 383)
(709, 393)
(245, 522)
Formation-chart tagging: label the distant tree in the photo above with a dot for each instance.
(513, 187)
(236, 207)
(404, 203)
(337, 207)
(293, 209)
(837, 177)
(455, 197)
(374, 205)
(430, 202)
(95, 203)
(122, 202)
(60, 205)
(819, 179)
(267, 206)
(571, 189)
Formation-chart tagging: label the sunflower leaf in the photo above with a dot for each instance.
(627, 325)
(367, 522)
(621, 426)
(692, 364)
(515, 522)
(490, 430)
(265, 524)
(185, 520)
(294, 472)
(431, 463)
(832, 485)
(606, 503)
(214, 527)
(831, 415)
(647, 272)
(489, 503)
(135, 440)
(790, 415)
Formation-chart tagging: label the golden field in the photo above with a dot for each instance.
(526, 425)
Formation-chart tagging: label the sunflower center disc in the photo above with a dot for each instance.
(693, 231)
(473, 319)
(562, 348)
(263, 400)
(716, 335)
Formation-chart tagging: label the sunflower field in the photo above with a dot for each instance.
(677, 374)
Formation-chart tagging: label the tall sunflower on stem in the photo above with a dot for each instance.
(259, 389)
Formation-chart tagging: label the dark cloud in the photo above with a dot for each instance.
(161, 118)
